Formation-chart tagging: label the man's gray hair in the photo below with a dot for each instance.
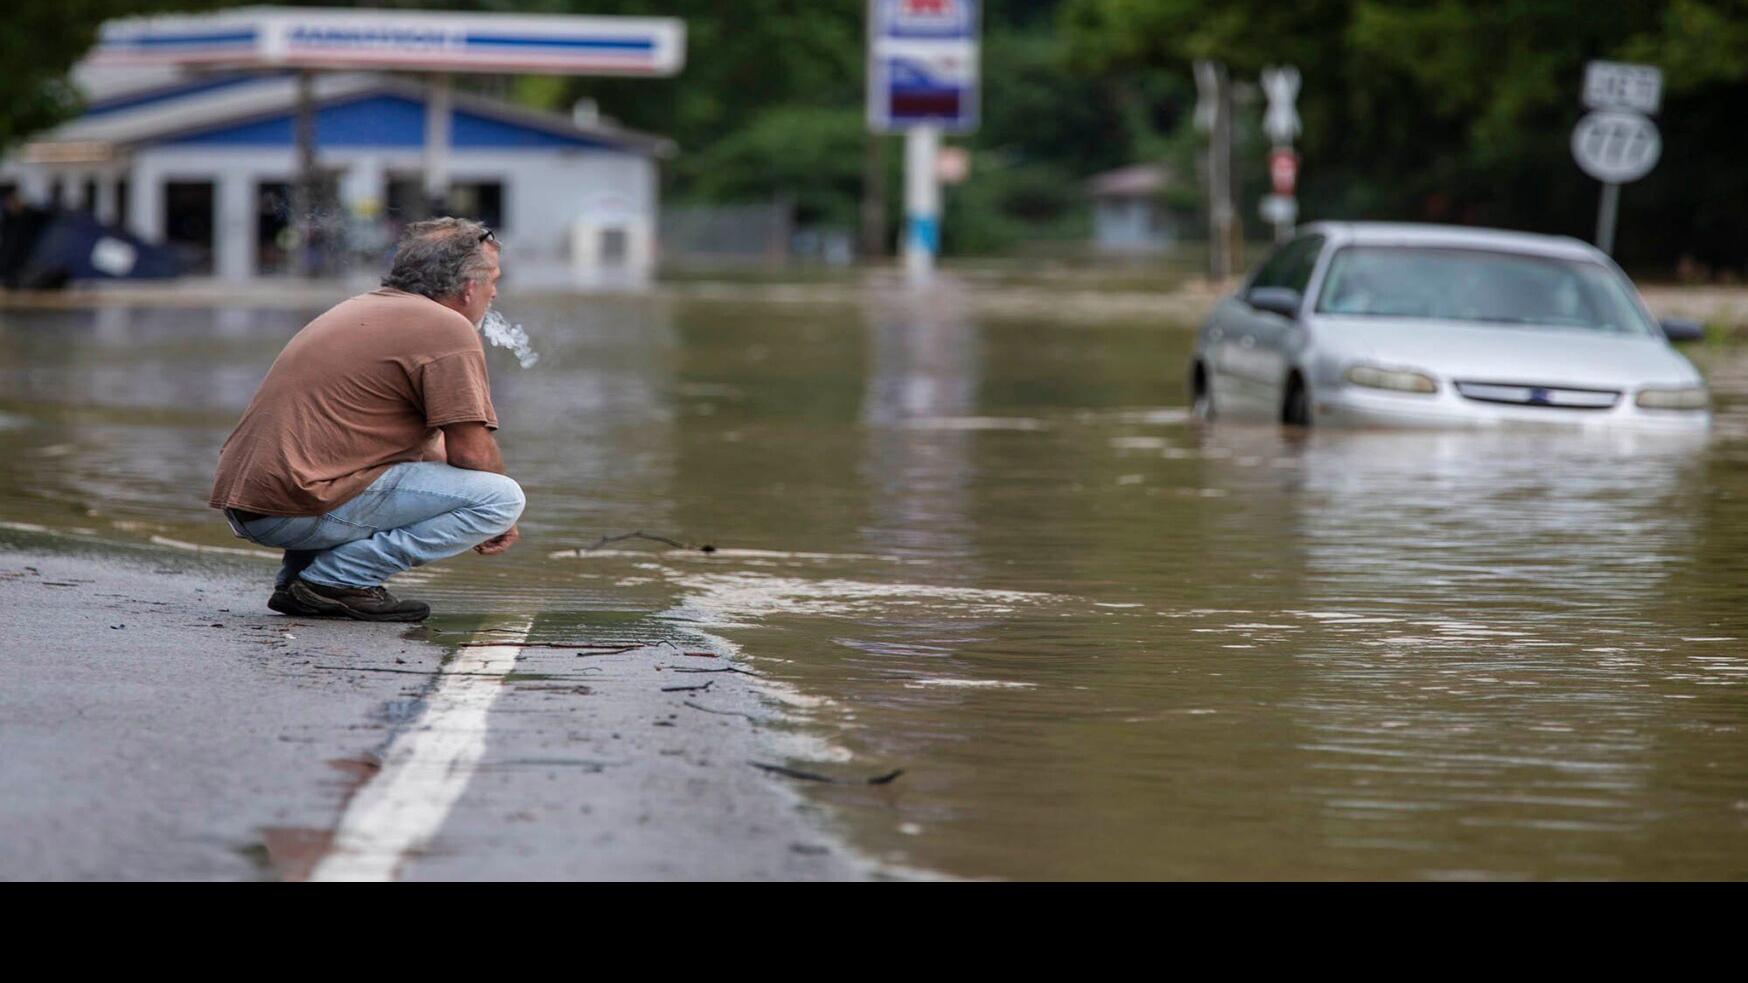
(437, 258)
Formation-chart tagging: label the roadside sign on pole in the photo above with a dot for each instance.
(1283, 170)
(1617, 142)
(1281, 123)
(1280, 209)
(1281, 120)
(922, 65)
(922, 82)
(1207, 94)
(1613, 85)
(1616, 147)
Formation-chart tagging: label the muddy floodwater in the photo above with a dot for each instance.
(1101, 640)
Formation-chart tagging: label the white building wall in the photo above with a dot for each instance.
(364, 185)
(232, 172)
(35, 182)
(559, 206)
(233, 226)
(1128, 224)
(145, 200)
(548, 193)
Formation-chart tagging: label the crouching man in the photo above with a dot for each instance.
(368, 448)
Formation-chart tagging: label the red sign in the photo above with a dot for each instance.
(1283, 171)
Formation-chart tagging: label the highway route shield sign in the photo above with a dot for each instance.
(1616, 147)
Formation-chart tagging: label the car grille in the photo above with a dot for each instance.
(1527, 394)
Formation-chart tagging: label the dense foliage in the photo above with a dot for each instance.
(1441, 110)
(1461, 110)
(1434, 110)
(40, 40)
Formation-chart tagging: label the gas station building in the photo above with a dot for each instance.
(201, 151)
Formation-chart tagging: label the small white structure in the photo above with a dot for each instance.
(204, 163)
(1129, 215)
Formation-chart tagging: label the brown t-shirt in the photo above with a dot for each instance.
(364, 386)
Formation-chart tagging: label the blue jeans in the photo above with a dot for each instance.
(413, 514)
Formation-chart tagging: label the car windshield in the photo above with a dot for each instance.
(1479, 285)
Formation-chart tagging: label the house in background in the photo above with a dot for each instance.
(205, 164)
(1129, 210)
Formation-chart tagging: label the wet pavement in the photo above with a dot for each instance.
(988, 548)
(158, 724)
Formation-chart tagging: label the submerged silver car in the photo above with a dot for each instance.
(1373, 324)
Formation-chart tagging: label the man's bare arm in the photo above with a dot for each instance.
(472, 446)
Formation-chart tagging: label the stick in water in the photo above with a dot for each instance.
(640, 534)
(808, 776)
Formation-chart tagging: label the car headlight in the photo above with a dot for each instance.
(1400, 380)
(1690, 398)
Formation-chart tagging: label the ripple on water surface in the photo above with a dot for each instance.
(1102, 640)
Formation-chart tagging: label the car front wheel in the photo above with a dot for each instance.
(1201, 395)
(1296, 412)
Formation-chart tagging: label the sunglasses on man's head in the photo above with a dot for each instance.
(489, 236)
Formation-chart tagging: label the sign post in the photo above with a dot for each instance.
(1281, 123)
(922, 202)
(922, 82)
(1617, 143)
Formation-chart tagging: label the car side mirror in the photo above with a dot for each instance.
(1276, 300)
(1681, 329)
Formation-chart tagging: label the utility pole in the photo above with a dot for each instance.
(303, 187)
(1234, 230)
(439, 98)
(873, 231)
(1214, 117)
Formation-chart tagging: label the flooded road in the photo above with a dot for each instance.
(1102, 641)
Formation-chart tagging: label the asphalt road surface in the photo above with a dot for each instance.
(158, 723)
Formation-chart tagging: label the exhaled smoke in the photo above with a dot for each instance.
(500, 332)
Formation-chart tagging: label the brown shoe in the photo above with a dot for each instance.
(358, 603)
(285, 604)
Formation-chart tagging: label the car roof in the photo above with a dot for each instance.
(1454, 236)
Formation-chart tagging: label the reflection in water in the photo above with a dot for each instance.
(1588, 520)
(591, 428)
(1478, 639)
(923, 370)
(1103, 641)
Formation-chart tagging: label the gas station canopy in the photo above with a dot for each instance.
(313, 41)
(396, 40)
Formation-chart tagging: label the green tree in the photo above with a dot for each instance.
(771, 103)
(40, 41)
(1046, 128)
(810, 154)
(1461, 111)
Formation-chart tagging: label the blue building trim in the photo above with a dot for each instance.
(389, 121)
(133, 100)
(596, 44)
(170, 40)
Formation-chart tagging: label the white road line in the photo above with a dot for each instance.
(425, 770)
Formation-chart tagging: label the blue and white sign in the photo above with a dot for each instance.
(922, 65)
(414, 40)
(937, 20)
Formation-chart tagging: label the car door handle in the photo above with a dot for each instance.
(1247, 341)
